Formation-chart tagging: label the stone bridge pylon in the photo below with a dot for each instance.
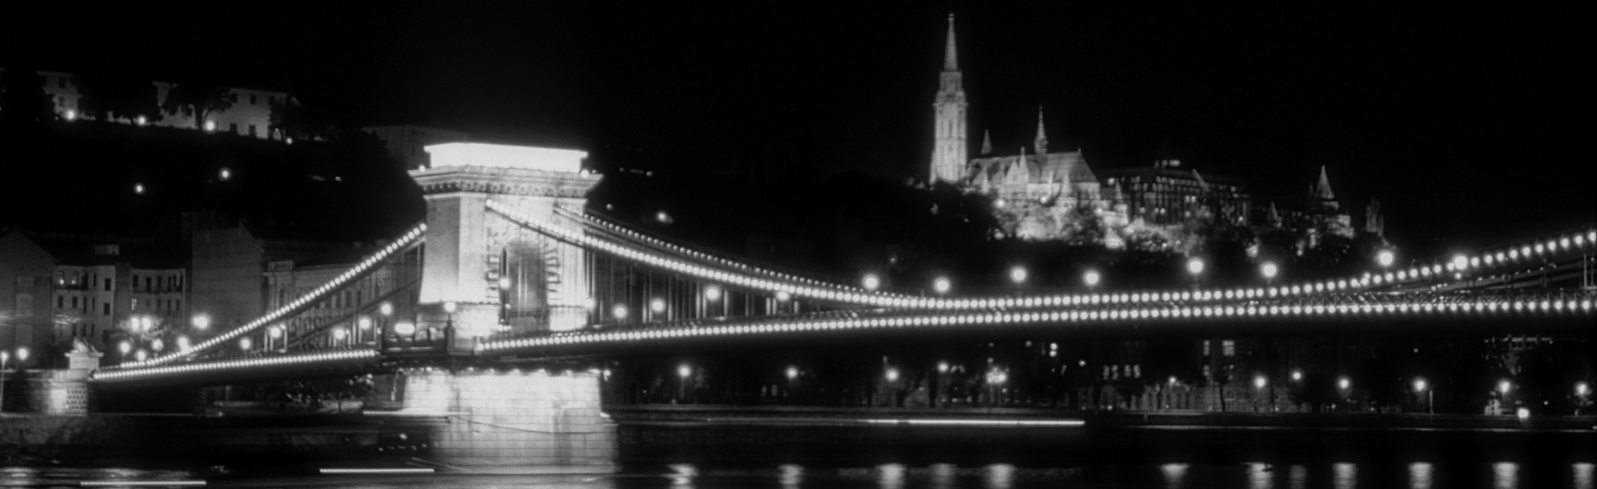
(483, 274)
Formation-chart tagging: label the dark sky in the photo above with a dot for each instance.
(1471, 123)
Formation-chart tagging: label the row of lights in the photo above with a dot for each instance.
(318, 294)
(1523, 306)
(1091, 278)
(105, 375)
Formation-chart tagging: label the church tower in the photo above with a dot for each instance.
(1041, 142)
(949, 148)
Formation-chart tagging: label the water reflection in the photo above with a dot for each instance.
(1344, 475)
(1258, 476)
(943, 476)
(790, 476)
(890, 476)
(1298, 478)
(1505, 475)
(1000, 476)
(1419, 475)
(682, 475)
(1173, 473)
(1583, 476)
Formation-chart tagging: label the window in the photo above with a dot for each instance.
(60, 301)
(1230, 348)
(252, 129)
(232, 126)
(105, 309)
(107, 284)
(24, 304)
(1206, 347)
(133, 304)
(74, 302)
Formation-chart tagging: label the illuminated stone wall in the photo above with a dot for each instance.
(514, 419)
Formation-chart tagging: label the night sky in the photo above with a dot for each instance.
(1471, 124)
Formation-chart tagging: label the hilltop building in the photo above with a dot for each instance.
(249, 115)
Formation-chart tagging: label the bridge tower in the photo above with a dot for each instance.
(496, 274)
(483, 274)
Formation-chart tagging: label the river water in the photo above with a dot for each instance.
(772, 457)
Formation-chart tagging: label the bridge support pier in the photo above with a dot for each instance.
(514, 422)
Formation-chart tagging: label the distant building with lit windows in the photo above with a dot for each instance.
(91, 291)
(1164, 194)
(250, 113)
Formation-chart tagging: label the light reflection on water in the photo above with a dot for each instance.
(890, 476)
(1000, 476)
(1173, 473)
(1298, 478)
(1583, 476)
(1505, 475)
(1258, 476)
(1345, 475)
(790, 476)
(1419, 475)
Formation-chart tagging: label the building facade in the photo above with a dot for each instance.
(249, 115)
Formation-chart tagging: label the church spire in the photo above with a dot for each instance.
(949, 150)
(986, 142)
(950, 53)
(1322, 192)
(1041, 143)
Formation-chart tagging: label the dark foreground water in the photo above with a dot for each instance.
(719, 456)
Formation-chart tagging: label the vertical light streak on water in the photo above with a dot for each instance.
(1173, 474)
(890, 476)
(790, 476)
(1419, 475)
(1259, 476)
(1583, 476)
(944, 476)
(1345, 476)
(1298, 478)
(682, 475)
(1000, 476)
(1505, 475)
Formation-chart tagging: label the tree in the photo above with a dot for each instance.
(24, 99)
(116, 95)
(197, 100)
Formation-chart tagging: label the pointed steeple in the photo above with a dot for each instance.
(1041, 143)
(1274, 218)
(1321, 195)
(986, 142)
(950, 53)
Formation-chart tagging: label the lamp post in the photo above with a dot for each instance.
(1017, 275)
(449, 326)
(362, 325)
(4, 357)
(1195, 267)
(941, 285)
(1269, 270)
(683, 371)
(1385, 258)
(1258, 383)
(1091, 278)
(1419, 387)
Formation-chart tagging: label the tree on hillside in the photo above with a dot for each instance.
(24, 99)
(112, 95)
(197, 100)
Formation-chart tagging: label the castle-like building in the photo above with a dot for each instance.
(1042, 194)
(1037, 195)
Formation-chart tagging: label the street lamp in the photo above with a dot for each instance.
(942, 367)
(405, 329)
(386, 308)
(1343, 383)
(1385, 258)
(871, 282)
(363, 324)
(792, 373)
(1503, 386)
(183, 343)
(619, 312)
(941, 285)
(1195, 267)
(1091, 278)
(1460, 262)
(1017, 275)
(891, 375)
(657, 305)
(712, 293)
(243, 344)
(1268, 270)
(201, 322)
(1420, 386)
(1297, 375)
